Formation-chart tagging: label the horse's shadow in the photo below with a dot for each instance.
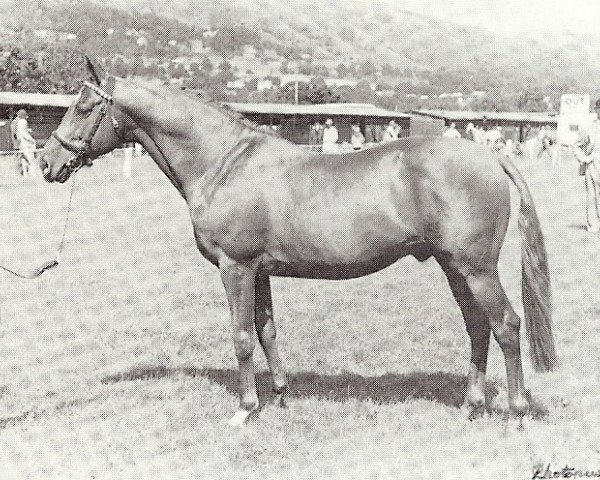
(444, 388)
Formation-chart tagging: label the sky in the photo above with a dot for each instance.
(509, 16)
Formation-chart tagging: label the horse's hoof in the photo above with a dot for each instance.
(473, 411)
(519, 409)
(242, 417)
(280, 396)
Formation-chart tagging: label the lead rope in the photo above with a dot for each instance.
(50, 263)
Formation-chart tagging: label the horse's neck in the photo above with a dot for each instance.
(184, 136)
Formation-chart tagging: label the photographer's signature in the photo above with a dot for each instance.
(548, 471)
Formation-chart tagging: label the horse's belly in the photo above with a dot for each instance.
(321, 263)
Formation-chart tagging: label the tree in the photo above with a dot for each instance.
(206, 66)
(119, 68)
(177, 70)
(342, 70)
(225, 66)
(367, 68)
(318, 92)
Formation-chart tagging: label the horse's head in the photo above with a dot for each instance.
(90, 128)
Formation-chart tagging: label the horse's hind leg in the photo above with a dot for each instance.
(488, 293)
(267, 334)
(478, 328)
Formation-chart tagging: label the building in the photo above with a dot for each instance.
(45, 113)
(519, 122)
(293, 121)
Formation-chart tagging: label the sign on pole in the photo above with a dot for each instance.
(574, 114)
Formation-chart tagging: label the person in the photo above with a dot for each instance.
(357, 139)
(494, 138)
(470, 132)
(25, 143)
(330, 137)
(391, 132)
(451, 132)
(546, 143)
(587, 152)
(315, 135)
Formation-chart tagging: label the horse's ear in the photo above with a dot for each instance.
(95, 72)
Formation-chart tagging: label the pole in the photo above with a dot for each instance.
(296, 92)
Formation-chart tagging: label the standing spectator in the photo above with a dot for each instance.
(26, 144)
(357, 139)
(330, 137)
(470, 132)
(315, 135)
(587, 152)
(391, 132)
(451, 132)
(544, 141)
(494, 138)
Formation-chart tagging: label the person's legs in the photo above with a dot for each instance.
(593, 197)
(32, 167)
(592, 187)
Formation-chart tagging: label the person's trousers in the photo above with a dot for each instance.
(592, 202)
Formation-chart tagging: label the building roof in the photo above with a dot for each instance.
(323, 109)
(36, 99)
(516, 117)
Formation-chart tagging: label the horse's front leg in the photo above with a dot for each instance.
(239, 281)
(267, 335)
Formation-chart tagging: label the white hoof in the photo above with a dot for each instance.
(241, 417)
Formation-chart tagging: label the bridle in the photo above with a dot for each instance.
(81, 147)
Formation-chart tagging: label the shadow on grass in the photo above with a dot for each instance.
(445, 388)
(577, 226)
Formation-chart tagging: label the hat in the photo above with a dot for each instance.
(22, 113)
(329, 121)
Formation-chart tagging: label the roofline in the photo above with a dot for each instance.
(460, 115)
(36, 99)
(322, 109)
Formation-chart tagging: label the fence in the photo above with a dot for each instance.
(10, 160)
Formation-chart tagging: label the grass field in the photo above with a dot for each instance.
(118, 363)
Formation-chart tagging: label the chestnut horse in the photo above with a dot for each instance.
(262, 206)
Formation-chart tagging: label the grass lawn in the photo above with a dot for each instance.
(119, 364)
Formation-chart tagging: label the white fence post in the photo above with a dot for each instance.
(127, 161)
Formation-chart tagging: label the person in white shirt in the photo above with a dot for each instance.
(330, 137)
(391, 133)
(357, 139)
(587, 152)
(451, 132)
(26, 145)
(494, 138)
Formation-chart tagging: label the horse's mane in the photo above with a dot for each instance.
(201, 96)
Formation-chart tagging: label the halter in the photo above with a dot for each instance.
(81, 148)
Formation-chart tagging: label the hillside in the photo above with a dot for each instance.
(378, 41)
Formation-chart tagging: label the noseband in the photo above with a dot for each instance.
(81, 147)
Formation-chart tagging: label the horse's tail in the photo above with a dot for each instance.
(535, 283)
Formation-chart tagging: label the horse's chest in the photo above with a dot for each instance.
(236, 230)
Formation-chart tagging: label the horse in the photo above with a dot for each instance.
(261, 206)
